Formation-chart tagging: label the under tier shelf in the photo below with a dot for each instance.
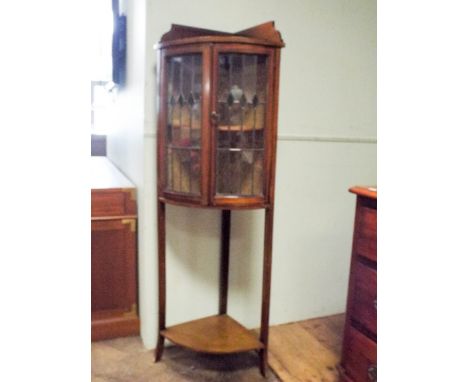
(215, 334)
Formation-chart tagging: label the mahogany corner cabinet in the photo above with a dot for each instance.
(217, 130)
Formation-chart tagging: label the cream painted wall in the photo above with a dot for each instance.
(126, 148)
(327, 128)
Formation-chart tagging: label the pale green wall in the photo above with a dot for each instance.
(327, 131)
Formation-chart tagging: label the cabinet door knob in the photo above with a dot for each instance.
(214, 118)
(372, 373)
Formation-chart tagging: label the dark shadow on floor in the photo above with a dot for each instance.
(123, 360)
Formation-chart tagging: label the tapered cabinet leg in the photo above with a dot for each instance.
(162, 279)
(224, 261)
(267, 252)
(159, 349)
(263, 361)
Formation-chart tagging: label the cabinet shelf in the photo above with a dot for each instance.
(215, 334)
(223, 128)
(244, 128)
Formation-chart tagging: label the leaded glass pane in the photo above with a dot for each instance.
(242, 94)
(183, 129)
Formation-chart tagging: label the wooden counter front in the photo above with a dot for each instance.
(113, 253)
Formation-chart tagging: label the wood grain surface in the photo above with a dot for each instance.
(307, 351)
(214, 335)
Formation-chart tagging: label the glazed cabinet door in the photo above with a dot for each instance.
(183, 110)
(241, 124)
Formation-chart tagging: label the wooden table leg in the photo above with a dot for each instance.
(267, 252)
(224, 261)
(162, 279)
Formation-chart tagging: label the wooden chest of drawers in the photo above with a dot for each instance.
(359, 357)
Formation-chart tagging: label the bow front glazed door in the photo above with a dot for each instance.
(182, 135)
(216, 144)
(240, 124)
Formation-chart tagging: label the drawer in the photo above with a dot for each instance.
(365, 236)
(113, 202)
(364, 304)
(359, 356)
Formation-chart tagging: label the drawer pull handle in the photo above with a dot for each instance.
(375, 304)
(372, 373)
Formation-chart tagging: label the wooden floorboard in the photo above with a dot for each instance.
(337, 321)
(307, 351)
(327, 331)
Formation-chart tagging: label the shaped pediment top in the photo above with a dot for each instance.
(265, 32)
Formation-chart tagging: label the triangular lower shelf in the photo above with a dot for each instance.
(215, 334)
